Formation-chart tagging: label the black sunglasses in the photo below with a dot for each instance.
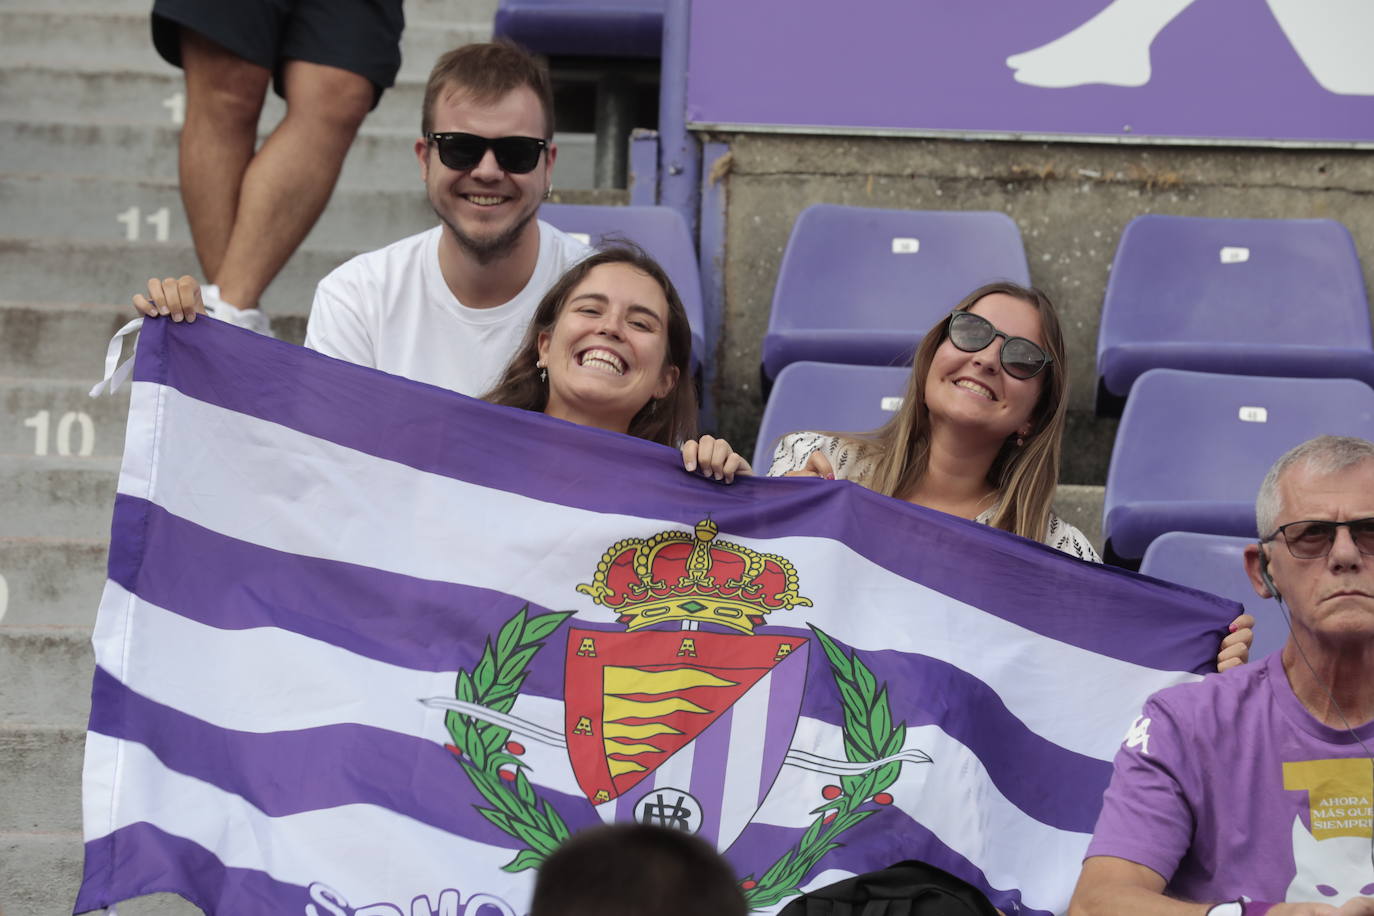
(461, 152)
(1020, 358)
(1308, 540)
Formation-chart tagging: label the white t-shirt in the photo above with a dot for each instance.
(391, 309)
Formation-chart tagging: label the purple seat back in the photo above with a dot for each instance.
(661, 231)
(862, 286)
(584, 28)
(827, 396)
(1237, 296)
(1215, 563)
(1193, 447)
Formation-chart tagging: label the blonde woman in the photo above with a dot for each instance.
(980, 432)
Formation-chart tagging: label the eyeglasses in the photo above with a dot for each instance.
(461, 152)
(1308, 540)
(1020, 358)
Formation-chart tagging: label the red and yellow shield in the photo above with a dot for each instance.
(632, 700)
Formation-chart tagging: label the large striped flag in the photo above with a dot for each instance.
(372, 648)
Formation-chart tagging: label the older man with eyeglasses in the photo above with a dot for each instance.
(1249, 793)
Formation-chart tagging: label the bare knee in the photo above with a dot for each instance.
(220, 84)
(328, 96)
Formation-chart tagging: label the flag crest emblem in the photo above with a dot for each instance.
(676, 575)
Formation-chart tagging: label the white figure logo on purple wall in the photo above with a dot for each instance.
(1113, 47)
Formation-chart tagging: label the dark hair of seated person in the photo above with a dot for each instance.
(636, 870)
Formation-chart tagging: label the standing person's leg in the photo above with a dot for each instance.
(224, 96)
(286, 185)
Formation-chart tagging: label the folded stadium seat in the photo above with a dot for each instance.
(862, 286)
(1278, 297)
(586, 28)
(1193, 447)
(662, 232)
(827, 396)
(1215, 563)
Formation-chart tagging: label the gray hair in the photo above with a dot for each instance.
(1322, 455)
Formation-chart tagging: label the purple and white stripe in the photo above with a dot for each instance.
(304, 549)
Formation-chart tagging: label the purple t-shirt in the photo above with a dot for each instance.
(1229, 787)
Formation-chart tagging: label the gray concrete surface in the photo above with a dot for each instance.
(52, 582)
(46, 417)
(56, 496)
(1071, 202)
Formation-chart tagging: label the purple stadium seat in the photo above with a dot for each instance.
(1214, 563)
(862, 286)
(661, 231)
(584, 28)
(1238, 296)
(827, 396)
(1193, 447)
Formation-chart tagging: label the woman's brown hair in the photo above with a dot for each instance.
(669, 420)
(1025, 476)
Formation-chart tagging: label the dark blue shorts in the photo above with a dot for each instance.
(360, 36)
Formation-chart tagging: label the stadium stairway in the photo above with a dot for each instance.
(89, 210)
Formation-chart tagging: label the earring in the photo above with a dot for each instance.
(548, 192)
(543, 373)
(1020, 441)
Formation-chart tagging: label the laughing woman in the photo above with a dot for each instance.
(608, 346)
(980, 431)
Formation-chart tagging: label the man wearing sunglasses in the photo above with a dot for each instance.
(1257, 783)
(450, 305)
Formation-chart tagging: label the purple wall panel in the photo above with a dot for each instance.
(1217, 69)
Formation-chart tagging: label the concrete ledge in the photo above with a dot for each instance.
(57, 497)
(52, 417)
(42, 767)
(51, 582)
(48, 674)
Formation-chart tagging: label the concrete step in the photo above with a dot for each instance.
(51, 582)
(115, 209)
(67, 341)
(42, 767)
(380, 159)
(57, 497)
(58, 417)
(59, 341)
(47, 675)
(114, 272)
(40, 874)
(110, 210)
(116, 40)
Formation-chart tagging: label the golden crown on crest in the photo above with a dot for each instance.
(680, 575)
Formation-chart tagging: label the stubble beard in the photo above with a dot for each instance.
(488, 249)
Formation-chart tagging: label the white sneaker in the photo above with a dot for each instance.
(252, 319)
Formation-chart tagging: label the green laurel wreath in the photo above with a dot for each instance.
(868, 735)
(481, 746)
